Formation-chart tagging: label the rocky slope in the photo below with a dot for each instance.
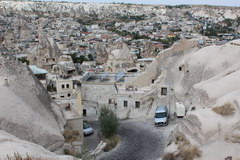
(26, 109)
(206, 81)
(102, 10)
(11, 146)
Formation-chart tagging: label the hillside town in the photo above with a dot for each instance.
(168, 73)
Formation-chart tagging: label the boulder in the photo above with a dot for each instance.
(12, 146)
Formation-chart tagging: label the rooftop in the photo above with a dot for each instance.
(37, 70)
(101, 77)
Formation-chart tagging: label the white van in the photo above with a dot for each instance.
(180, 110)
(161, 116)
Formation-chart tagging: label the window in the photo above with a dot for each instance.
(63, 86)
(137, 104)
(164, 91)
(68, 108)
(84, 112)
(125, 103)
(62, 96)
(67, 85)
(153, 80)
(180, 68)
(69, 94)
(109, 101)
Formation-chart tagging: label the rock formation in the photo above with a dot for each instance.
(112, 10)
(26, 109)
(46, 54)
(119, 58)
(10, 145)
(9, 39)
(207, 81)
(101, 53)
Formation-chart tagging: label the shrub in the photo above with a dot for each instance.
(225, 110)
(190, 153)
(51, 89)
(71, 135)
(186, 150)
(111, 143)
(85, 155)
(181, 140)
(17, 156)
(233, 139)
(169, 156)
(193, 108)
(108, 122)
(90, 57)
(24, 60)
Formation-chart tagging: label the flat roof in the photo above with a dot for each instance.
(146, 59)
(37, 70)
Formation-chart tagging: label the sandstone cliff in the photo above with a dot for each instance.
(207, 81)
(26, 109)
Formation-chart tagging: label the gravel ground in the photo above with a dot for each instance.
(140, 140)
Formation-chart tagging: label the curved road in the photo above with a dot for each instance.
(139, 141)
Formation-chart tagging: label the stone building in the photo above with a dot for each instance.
(109, 90)
(64, 67)
(9, 39)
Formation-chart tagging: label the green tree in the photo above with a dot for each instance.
(84, 29)
(90, 57)
(81, 59)
(77, 59)
(109, 122)
(24, 60)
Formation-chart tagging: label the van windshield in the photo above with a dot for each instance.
(161, 115)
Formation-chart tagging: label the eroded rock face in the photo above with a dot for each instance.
(119, 58)
(26, 109)
(10, 145)
(9, 39)
(211, 77)
(46, 54)
(101, 53)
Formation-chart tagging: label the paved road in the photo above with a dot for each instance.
(90, 142)
(140, 140)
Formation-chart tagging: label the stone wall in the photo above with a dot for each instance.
(99, 92)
